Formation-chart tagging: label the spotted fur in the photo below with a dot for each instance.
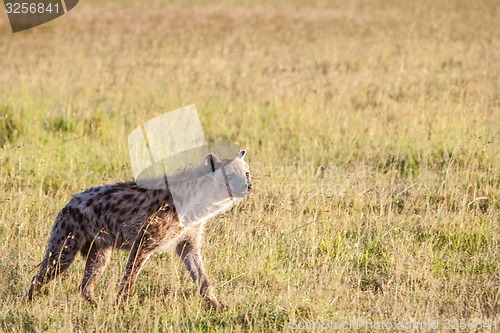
(141, 220)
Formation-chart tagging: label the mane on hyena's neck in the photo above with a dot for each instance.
(165, 181)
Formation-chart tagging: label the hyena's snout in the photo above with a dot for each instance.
(239, 186)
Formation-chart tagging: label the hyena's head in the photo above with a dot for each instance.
(235, 172)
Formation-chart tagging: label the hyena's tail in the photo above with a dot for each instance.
(66, 239)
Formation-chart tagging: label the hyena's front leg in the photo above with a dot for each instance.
(97, 260)
(189, 252)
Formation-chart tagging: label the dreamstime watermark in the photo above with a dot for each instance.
(170, 151)
(26, 14)
(386, 325)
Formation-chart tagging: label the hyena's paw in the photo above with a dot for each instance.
(215, 305)
(34, 290)
(122, 298)
(30, 295)
(88, 295)
(91, 300)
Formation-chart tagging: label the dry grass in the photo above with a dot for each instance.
(372, 129)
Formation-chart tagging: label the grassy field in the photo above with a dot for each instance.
(372, 130)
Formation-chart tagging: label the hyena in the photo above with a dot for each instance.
(142, 220)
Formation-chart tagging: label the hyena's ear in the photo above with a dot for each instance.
(241, 154)
(210, 163)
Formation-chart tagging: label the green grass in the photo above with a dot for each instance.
(372, 130)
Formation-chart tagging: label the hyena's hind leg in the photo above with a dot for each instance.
(150, 238)
(64, 244)
(56, 261)
(136, 260)
(97, 260)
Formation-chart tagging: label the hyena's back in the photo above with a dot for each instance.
(109, 215)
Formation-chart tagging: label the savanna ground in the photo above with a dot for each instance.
(372, 130)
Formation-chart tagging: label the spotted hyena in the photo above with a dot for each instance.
(143, 221)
